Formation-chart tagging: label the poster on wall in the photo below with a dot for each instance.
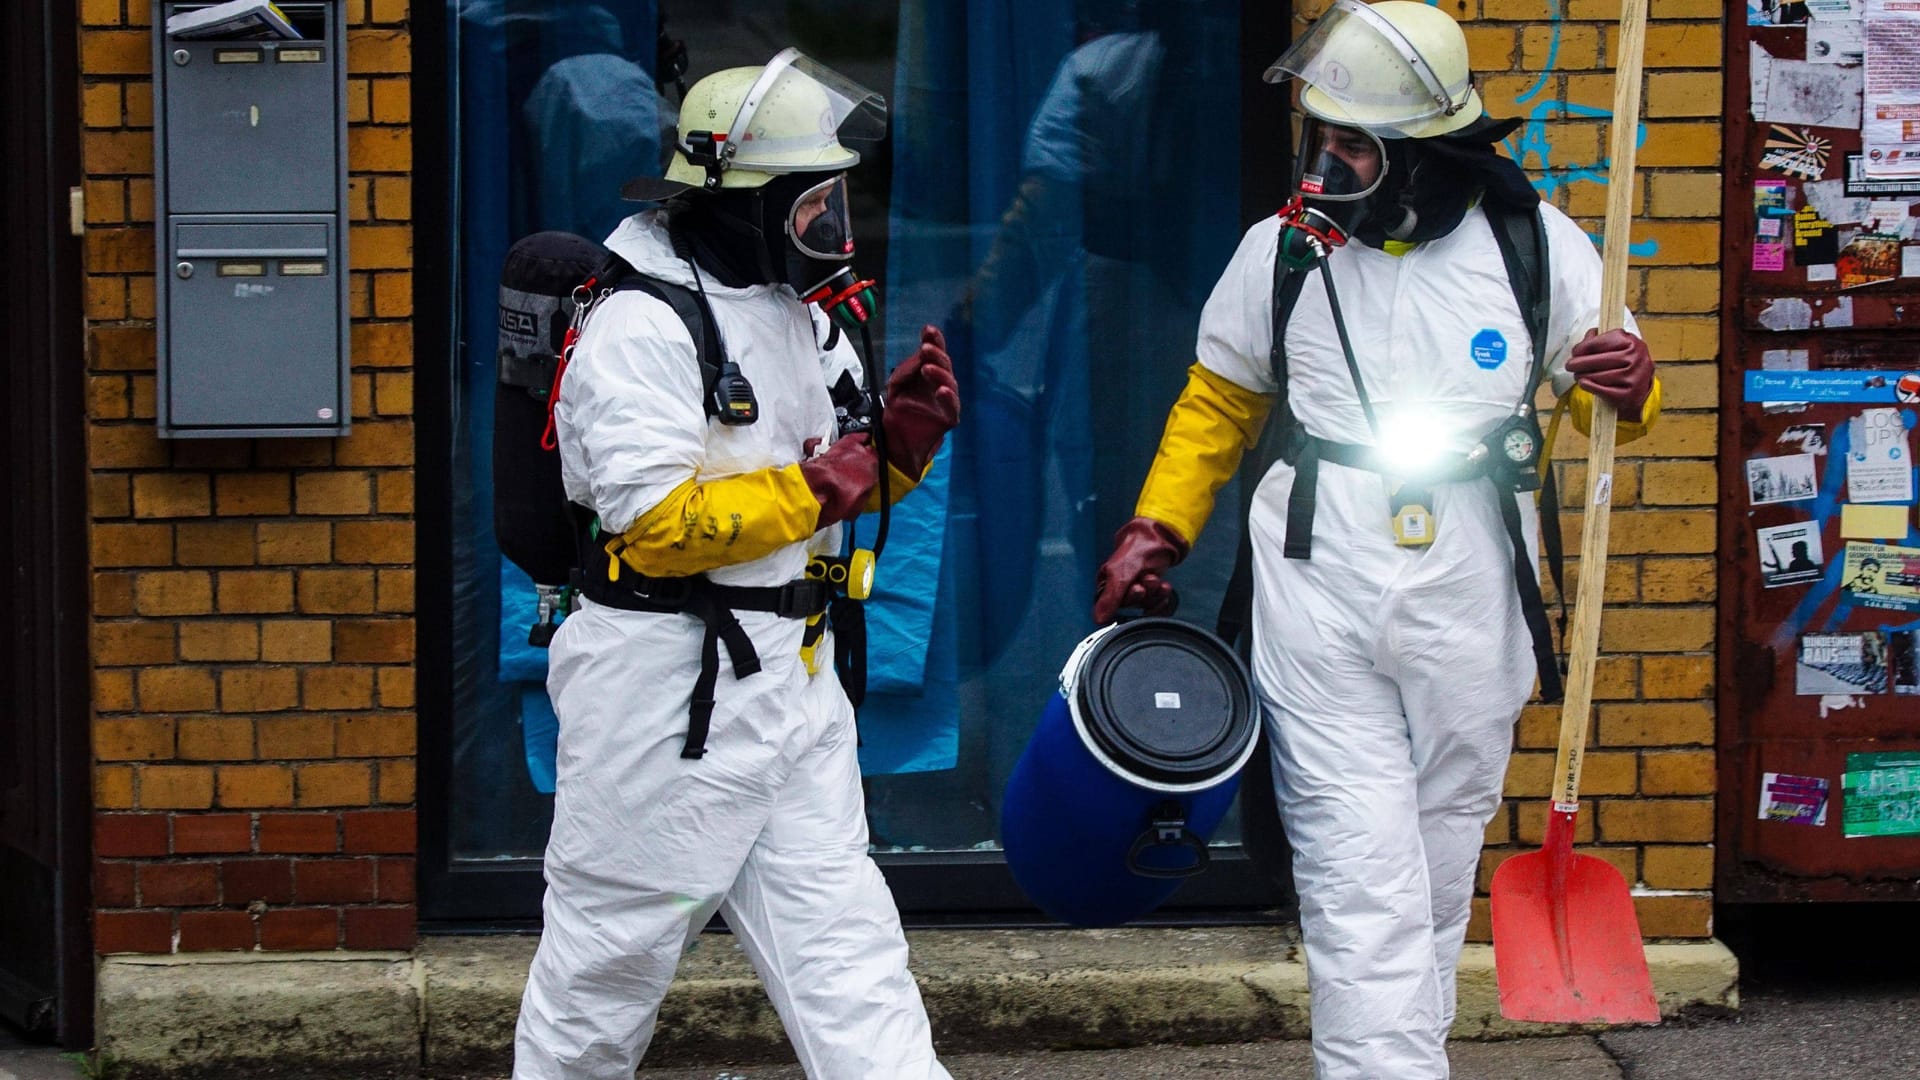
(1879, 463)
(1790, 554)
(1858, 183)
(1881, 576)
(1868, 259)
(1813, 95)
(1788, 478)
(1794, 800)
(1807, 438)
(1880, 794)
(1835, 41)
(1890, 124)
(1776, 12)
(1851, 663)
(1798, 152)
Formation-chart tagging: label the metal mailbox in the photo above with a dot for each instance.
(250, 192)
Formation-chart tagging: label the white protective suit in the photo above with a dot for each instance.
(1392, 676)
(769, 828)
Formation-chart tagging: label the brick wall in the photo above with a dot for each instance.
(1648, 785)
(254, 731)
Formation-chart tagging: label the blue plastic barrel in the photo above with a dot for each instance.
(1135, 762)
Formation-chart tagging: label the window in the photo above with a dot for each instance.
(1061, 186)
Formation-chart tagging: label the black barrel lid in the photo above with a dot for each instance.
(1167, 701)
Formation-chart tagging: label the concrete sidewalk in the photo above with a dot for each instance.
(451, 1007)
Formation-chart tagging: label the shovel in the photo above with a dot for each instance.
(1566, 942)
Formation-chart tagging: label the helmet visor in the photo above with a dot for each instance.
(798, 114)
(1338, 163)
(1357, 68)
(819, 224)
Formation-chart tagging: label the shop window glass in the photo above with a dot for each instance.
(1059, 191)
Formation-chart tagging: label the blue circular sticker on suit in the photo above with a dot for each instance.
(1489, 349)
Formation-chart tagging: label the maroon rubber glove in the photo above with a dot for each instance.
(841, 478)
(1142, 549)
(923, 404)
(1615, 366)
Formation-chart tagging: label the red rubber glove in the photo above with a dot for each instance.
(1615, 366)
(923, 404)
(841, 478)
(1142, 549)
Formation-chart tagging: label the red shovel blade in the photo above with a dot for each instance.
(1566, 943)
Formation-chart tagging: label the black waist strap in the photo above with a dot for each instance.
(714, 605)
(1305, 452)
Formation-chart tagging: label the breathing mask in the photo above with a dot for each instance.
(1339, 170)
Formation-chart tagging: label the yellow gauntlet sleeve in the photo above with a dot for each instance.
(704, 524)
(1208, 430)
(899, 484)
(1580, 405)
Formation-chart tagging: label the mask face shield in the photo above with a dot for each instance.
(819, 225)
(1358, 68)
(798, 116)
(1338, 163)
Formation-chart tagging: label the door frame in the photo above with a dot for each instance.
(48, 657)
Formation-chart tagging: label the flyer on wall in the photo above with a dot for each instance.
(1854, 663)
(1790, 554)
(1881, 576)
(1890, 120)
(1880, 794)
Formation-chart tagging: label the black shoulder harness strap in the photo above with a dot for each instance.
(1522, 239)
(693, 310)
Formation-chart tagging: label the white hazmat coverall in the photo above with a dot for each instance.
(1391, 676)
(769, 827)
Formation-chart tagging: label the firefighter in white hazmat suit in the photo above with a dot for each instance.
(668, 809)
(1392, 645)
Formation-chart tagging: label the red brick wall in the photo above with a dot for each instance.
(253, 635)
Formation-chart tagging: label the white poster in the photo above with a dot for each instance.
(1831, 42)
(1890, 120)
(1879, 463)
(1788, 478)
(1816, 95)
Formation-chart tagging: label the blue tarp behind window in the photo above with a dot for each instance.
(1059, 192)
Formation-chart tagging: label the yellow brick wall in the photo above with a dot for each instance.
(1647, 792)
(253, 636)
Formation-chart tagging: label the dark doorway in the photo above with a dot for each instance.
(45, 969)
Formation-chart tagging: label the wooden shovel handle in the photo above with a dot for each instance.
(1576, 710)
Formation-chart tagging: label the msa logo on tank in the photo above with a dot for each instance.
(522, 316)
(1489, 349)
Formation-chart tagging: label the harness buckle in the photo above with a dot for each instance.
(803, 599)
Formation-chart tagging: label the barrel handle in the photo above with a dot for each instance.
(1167, 827)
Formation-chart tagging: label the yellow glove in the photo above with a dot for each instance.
(1208, 430)
(704, 524)
(898, 485)
(1580, 407)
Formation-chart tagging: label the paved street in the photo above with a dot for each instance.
(1528, 1059)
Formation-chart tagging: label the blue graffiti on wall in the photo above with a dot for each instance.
(1532, 147)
